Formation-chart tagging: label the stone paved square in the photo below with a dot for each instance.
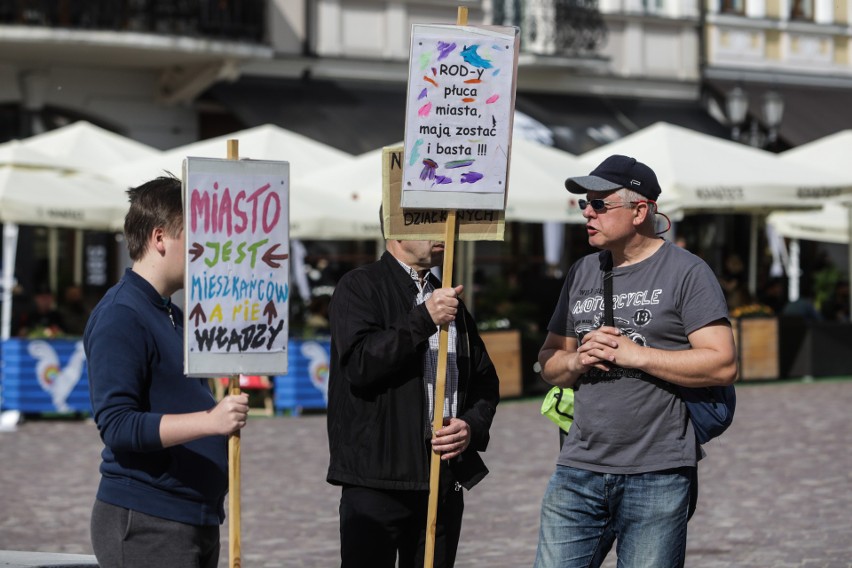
(776, 489)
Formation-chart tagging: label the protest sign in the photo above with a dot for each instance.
(236, 224)
(459, 112)
(429, 224)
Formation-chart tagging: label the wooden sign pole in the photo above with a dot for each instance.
(440, 387)
(234, 544)
(441, 374)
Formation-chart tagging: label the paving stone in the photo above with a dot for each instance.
(776, 489)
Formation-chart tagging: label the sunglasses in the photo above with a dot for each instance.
(600, 205)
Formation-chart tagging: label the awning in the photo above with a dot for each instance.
(809, 112)
(355, 117)
(582, 123)
(358, 117)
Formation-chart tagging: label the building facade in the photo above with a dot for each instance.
(590, 71)
(798, 50)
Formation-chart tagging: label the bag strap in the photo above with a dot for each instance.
(606, 266)
(558, 397)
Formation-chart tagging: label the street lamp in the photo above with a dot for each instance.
(773, 112)
(736, 105)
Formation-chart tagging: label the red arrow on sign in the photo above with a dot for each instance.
(196, 251)
(269, 310)
(270, 258)
(198, 313)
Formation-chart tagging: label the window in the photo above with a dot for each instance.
(732, 7)
(802, 10)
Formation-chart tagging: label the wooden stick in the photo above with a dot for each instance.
(234, 543)
(441, 375)
(440, 388)
(461, 17)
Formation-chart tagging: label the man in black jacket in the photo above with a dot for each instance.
(384, 348)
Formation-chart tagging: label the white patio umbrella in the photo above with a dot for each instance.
(829, 153)
(537, 176)
(341, 201)
(53, 198)
(350, 194)
(59, 199)
(16, 153)
(266, 142)
(88, 147)
(831, 224)
(37, 191)
(701, 173)
(828, 225)
(536, 188)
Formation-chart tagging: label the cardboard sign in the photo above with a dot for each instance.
(429, 224)
(236, 225)
(459, 112)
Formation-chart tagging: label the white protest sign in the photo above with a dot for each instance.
(236, 226)
(459, 112)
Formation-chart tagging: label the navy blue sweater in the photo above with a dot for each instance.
(134, 348)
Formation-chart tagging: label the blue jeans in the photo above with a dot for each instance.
(584, 512)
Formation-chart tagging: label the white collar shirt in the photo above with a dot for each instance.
(425, 288)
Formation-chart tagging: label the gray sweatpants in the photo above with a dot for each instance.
(122, 538)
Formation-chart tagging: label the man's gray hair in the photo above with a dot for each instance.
(630, 196)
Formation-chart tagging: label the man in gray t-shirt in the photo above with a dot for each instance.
(625, 468)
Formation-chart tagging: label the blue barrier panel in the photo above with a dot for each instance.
(39, 376)
(306, 383)
(44, 375)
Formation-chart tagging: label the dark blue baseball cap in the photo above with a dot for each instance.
(616, 172)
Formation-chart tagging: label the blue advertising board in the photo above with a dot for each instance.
(306, 384)
(50, 376)
(44, 376)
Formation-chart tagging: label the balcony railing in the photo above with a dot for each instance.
(239, 20)
(554, 27)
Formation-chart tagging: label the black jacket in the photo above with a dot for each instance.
(377, 408)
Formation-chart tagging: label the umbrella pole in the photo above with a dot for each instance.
(849, 245)
(752, 254)
(10, 248)
(795, 271)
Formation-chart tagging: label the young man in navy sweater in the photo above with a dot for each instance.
(164, 473)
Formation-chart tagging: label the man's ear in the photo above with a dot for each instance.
(641, 213)
(157, 240)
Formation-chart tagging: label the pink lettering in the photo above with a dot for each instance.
(276, 214)
(218, 212)
(199, 207)
(225, 216)
(238, 211)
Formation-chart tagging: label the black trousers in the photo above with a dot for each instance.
(376, 525)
